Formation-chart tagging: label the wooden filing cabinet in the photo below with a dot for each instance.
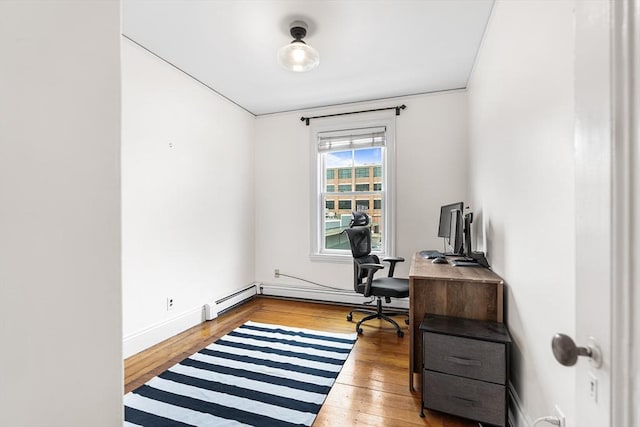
(465, 368)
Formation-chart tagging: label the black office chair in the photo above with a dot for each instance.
(365, 265)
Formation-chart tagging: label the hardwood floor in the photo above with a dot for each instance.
(371, 390)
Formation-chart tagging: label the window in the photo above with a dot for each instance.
(344, 204)
(360, 151)
(362, 205)
(344, 173)
(362, 172)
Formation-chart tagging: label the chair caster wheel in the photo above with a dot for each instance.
(359, 331)
(400, 334)
(406, 321)
(349, 317)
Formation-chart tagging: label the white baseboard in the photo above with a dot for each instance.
(517, 416)
(159, 332)
(324, 295)
(152, 335)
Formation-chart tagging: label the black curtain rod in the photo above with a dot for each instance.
(398, 108)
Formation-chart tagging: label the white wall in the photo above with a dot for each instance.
(187, 198)
(431, 158)
(60, 320)
(521, 118)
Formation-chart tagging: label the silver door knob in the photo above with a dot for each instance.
(566, 352)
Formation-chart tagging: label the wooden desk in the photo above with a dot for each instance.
(467, 292)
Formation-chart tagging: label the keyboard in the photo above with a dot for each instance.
(430, 254)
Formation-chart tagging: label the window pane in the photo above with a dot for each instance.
(362, 187)
(376, 231)
(338, 159)
(377, 171)
(362, 172)
(362, 205)
(331, 188)
(344, 187)
(330, 173)
(367, 156)
(334, 224)
(344, 173)
(344, 205)
(377, 186)
(336, 220)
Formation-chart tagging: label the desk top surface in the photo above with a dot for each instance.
(423, 268)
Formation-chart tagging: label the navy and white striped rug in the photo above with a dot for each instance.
(257, 375)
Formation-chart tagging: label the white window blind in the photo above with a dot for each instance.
(351, 139)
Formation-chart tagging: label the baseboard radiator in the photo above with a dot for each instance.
(215, 308)
(324, 295)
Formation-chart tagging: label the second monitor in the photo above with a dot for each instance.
(451, 228)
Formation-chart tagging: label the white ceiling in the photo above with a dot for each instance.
(369, 49)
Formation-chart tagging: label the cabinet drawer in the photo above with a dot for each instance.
(480, 360)
(477, 400)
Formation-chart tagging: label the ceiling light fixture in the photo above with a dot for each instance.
(298, 56)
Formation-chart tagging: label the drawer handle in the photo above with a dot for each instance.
(463, 361)
(467, 402)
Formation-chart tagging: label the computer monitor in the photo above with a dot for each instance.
(455, 239)
(444, 228)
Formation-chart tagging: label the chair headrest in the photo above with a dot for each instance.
(358, 219)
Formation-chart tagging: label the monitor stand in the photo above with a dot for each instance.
(465, 262)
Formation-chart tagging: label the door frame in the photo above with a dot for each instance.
(625, 335)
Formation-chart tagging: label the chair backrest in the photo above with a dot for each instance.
(359, 241)
(360, 244)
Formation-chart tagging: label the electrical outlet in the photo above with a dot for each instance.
(561, 418)
(276, 273)
(170, 303)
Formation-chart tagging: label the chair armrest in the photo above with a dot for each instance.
(369, 266)
(392, 260)
(371, 270)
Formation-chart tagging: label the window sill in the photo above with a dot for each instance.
(338, 258)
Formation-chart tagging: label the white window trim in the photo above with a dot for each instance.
(377, 119)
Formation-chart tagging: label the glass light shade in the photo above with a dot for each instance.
(298, 56)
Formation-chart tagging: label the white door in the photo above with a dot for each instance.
(606, 153)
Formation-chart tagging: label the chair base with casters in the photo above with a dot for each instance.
(379, 314)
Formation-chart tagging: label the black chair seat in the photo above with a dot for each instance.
(390, 287)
